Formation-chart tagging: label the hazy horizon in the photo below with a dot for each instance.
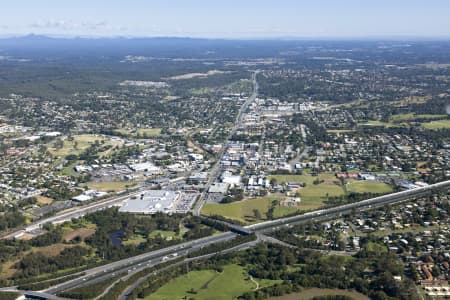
(285, 19)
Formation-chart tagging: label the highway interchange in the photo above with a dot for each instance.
(132, 265)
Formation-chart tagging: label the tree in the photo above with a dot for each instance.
(257, 214)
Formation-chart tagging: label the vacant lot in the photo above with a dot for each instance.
(369, 187)
(44, 200)
(110, 186)
(209, 284)
(199, 75)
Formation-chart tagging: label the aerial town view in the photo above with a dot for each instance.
(199, 151)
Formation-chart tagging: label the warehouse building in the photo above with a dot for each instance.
(151, 202)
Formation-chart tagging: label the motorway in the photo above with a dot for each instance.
(349, 208)
(203, 257)
(215, 170)
(137, 263)
(75, 212)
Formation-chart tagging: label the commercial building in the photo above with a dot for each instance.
(151, 202)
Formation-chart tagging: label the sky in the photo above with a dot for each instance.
(228, 18)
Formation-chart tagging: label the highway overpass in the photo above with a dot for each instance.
(142, 261)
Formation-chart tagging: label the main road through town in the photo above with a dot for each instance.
(215, 170)
(80, 211)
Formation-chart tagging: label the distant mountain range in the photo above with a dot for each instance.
(35, 46)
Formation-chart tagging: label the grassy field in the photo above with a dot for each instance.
(68, 170)
(413, 117)
(52, 250)
(80, 143)
(134, 240)
(306, 204)
(164, 233)
(70, 231)
(329, 187)
(114, 186)
(243, 211)
(312, 197)
(369, 187)
(149, 132)
(338, 131)
(141, 237)
(209, 284)
(384, 124)
(8, 269)
(441, 124)
(9, 295)
(201, 91)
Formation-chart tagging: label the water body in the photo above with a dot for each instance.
(115, 237)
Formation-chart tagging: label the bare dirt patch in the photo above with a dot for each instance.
(82, 233)
(44, 200)
(197, 75)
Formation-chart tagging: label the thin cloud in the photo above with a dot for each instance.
(69, 25)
